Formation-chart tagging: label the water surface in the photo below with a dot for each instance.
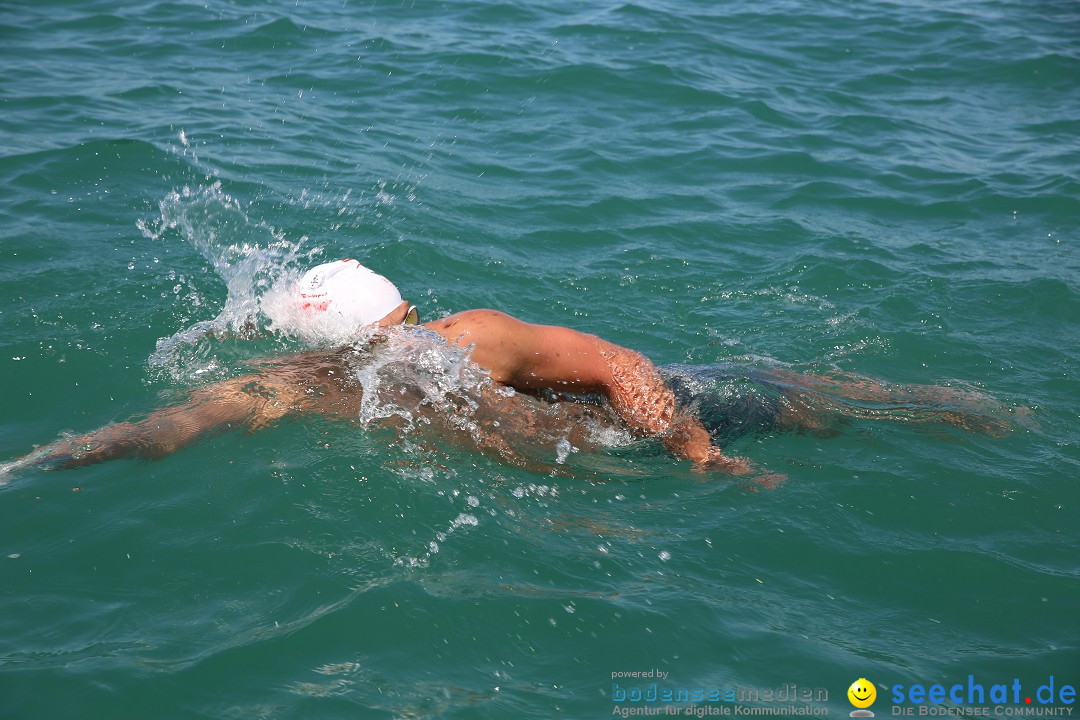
(888, 189)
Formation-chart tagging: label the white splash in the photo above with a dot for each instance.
(254, 260)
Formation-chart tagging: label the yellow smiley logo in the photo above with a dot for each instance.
(862, 693)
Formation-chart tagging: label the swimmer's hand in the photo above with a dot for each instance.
(60, 454)
(716, 461)
(72, 452)
(8, 469)
(687, 438)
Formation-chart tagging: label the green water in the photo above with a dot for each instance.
(889, 189)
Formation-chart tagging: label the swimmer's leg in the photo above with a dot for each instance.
(816, 401)
(798, 412)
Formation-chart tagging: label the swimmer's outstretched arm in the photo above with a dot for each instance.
(532, 357)
(249, 402)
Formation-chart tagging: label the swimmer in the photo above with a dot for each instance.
(345, 301)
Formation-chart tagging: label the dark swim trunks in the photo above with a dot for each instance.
(730, 400)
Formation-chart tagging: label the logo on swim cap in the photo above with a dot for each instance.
(333, 301)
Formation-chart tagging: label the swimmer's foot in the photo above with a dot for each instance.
(983, 424)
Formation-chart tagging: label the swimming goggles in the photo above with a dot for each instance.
(412, 317)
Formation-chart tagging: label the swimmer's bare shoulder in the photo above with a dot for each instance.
(528, 356)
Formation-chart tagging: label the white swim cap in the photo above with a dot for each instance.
(337, 299)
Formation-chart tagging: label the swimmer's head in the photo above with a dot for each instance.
(336, 301)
